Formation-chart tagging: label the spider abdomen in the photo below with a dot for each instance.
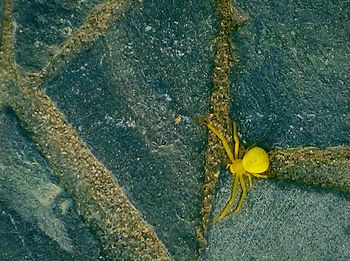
(256, 160)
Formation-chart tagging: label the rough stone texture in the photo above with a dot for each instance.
(1, 15)
(292, 82)
(291, 88)
(38, 220)
(43, 25)
(328, 168)
(225, 59)
(125, 85)
(123, 96)
(99, 198)
(282, 221)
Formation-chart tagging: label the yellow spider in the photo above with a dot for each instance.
(254, 162)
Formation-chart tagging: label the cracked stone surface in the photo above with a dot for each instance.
(38, 218)
(101, 155)
(122, 96)
(41, 26)
(292, 90)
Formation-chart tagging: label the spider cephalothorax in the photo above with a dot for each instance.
(254, 162)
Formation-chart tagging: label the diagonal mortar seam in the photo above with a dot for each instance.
(95, 26)
(283, 154)
(99, 198)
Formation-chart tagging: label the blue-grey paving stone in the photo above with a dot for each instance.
(38, 220)
(43, 25)
(123, 95)
(292, 83)
(282, 221)
(1, 16)
(291, 88)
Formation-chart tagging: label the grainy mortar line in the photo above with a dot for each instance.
(219, 108)
(95, 26)
(99, 199)
(328, 168)
(7, 65)
(307, 165)
(6, 53)
(124, 234)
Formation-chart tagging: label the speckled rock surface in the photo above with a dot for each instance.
(1, 15)
(38, 220)
(41, 26)
(123, 96)
(100, 99)
(282, 221)
(292, 82)
(291, 89)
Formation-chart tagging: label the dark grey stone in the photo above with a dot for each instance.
(291, 87)
(1, 16)
(122, 96)
(282, 221)
(43, 25)
(38, 220)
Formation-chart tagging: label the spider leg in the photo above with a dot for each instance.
(259, 175)
(249, 179)
(243, 196)
(223, 212)
(236, 139)
(222, 138)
